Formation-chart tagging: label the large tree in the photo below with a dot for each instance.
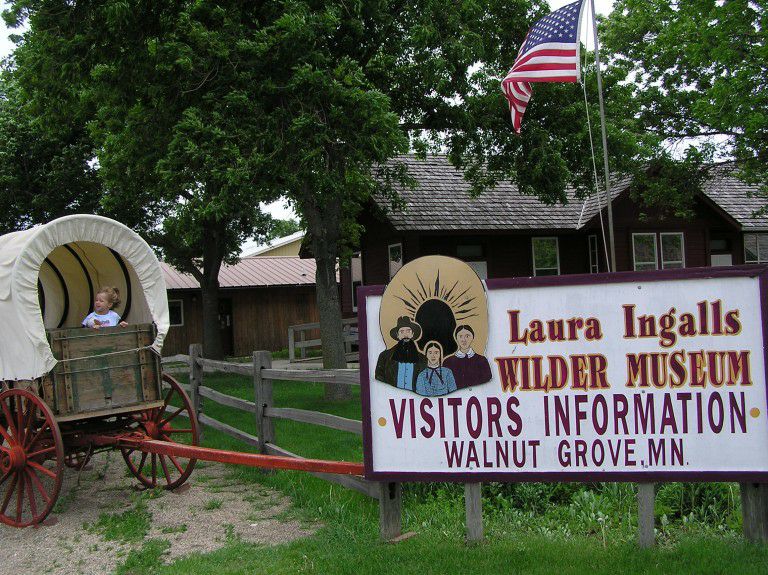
(699, 71)
(165, 92)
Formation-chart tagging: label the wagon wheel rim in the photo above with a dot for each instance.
(174, 421)
(31, 459)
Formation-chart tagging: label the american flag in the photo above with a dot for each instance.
(550, 53)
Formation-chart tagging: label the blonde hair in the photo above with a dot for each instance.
(112, 293)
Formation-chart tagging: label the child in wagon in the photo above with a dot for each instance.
(102, 314)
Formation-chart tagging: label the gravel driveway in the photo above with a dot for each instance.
(201, 517)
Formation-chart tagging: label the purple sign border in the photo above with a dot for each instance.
(511, 476)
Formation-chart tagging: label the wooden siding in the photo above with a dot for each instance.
(509, 254)
(697, 231)
(260, 318)
(289, 249)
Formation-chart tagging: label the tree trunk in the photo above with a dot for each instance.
(209, 284)
(212, 348)
(323, 225)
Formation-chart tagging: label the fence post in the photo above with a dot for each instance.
(646, 500)
(262, 390)
(473, 505)
(390, 510)
(195, 381)
(754, 510)
(291, 344)
(303, 338)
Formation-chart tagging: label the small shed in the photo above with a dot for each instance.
(259, 298)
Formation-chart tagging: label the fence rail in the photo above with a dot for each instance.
(263, 408)
(298, 344)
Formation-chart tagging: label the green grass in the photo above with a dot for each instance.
(213, 504)
(531, 528)
(129, 526)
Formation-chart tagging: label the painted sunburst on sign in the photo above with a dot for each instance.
(438, 293)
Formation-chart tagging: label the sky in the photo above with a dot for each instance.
(279, 209)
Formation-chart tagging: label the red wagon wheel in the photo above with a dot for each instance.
(175, 422)
(31, 458)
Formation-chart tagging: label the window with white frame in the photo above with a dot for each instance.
(176, 312)
(652, 251)
(672, 250)
(644, 251)
(546, 260)
(755, 248)
(356, 272)
(594, 262)
(395, 259)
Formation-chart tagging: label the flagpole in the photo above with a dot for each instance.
(605, 141)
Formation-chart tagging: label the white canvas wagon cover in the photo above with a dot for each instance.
(49, 275)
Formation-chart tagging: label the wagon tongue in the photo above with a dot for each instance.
(146, 444)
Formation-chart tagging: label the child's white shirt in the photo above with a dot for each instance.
(108, 319)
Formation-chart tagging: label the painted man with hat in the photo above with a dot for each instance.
(401, 364)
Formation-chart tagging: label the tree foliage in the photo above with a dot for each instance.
(45, 171)
(166, 92)
(697, 68)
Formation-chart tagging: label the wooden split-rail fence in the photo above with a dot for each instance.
(265, 412)
(389, 494)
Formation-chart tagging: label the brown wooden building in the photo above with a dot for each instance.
(503, 233)
(259, 298)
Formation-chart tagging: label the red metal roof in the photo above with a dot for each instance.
(263, 271)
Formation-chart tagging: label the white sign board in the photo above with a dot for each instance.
(640, 376)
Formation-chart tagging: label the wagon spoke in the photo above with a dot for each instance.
(5, 477)
(154, 470)
(4, 433)
(19, 498)
(31, 497)
(176, 463)
(41, 452)
(39, 484)
(8, 418)
(165, 470)
(29, 419)
(42, 469)
(141, 464)
(20, 419)
(9, 494)
(37, 435)
(167, 398)
(172, 416)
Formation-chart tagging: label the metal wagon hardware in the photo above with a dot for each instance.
(67, 392)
